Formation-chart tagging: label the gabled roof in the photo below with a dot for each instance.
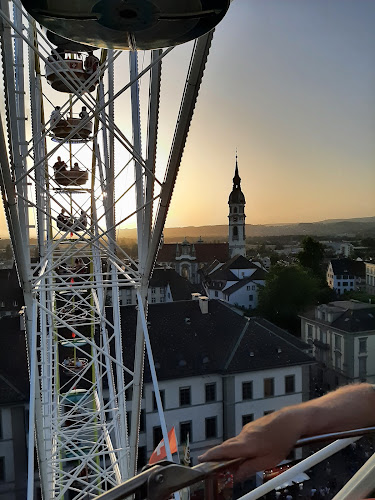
(351, 316)
(239, 262)
(237, 286)
(348, 266)
(222, 275)
(181, 288)
(187, 343)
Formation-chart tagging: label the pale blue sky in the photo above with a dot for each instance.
(291, 83)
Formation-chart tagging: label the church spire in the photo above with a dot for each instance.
(236, 178)
(237, 216)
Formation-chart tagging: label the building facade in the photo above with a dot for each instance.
(344, 275)
(370, 277)
(342, 335)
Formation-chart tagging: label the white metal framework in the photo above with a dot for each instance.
(78, 376)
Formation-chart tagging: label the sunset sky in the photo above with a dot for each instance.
(291, 84)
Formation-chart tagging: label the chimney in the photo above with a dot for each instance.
(203, 304)
(195, 296)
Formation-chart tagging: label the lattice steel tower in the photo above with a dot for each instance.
(69, 178)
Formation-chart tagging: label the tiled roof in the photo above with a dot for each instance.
(348, 266)
(187, 343)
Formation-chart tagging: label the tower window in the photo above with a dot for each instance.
(235, 210)
(235, 233)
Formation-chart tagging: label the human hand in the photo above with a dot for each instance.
(263, 443)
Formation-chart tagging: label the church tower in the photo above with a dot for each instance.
(236, 217)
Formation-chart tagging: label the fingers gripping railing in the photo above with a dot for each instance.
(160, 481)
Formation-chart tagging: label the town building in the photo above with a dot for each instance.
(344, 275)
(237, 281)
(14, 402)
(342, 335)
(370, 277)
(217, 370)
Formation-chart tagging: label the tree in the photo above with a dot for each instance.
(287, 292)
(312, 255)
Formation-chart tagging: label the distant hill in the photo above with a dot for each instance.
(360, 227)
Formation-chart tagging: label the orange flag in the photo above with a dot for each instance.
(160, 452)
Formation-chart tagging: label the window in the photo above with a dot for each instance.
(338, 360)
(235, 233)
(251, 297)
(185, 430)
(216, 293)
(323, 336)
(247, 390)
(161, 299)
(129, 393)
(253, 287)
(248, 288)
(344, 283)
(338, 342)
(309, 332)
(247, 418)
(2, 469)
(142, 421)
(129, 420)
(210, 392)
(153, 290)
(269, 387)
(153, 300)
(157, 435)
(162, 397)
(211, 427)
(128, 302)
(362, 366)
(362, 345)
(141, 461)
(268, 412)
(185, 398)
(290, 384)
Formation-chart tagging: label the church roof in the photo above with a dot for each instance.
(204, 252)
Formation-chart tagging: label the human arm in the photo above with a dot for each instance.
(267, 441)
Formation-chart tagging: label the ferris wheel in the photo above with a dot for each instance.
(70, 177)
